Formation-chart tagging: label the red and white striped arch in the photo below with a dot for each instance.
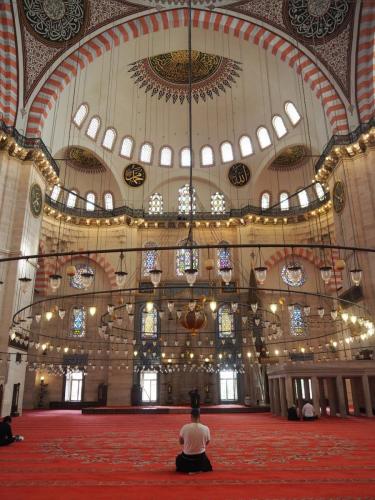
(8, 65)
(49, 267)
(278, 46)
(335, 282)
(366, 63)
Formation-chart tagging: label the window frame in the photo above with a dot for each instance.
(149, 203)
(221, 152)
(191, 157)
(113, 201)
(93, 203)
(251, 143)
(132, 147)
(86, 115)
(201, 156)
(152, 153)
(172, 156)
(299, 192)
(56, 186)
(287, 114)
(275, 129)
(287, 200)
(114, 139)
(269, 199)
(94, 139)
(71, 191)
(263, 148)
(234, 379)
(223, 198)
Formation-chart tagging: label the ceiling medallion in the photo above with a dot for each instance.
(83, 160)
(316, 19)
(55, 20)
(290, 158)
(167, 75)
(239, 174)
(134, 175)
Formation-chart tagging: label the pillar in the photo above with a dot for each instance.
(332, 397)
(299, 395)
(367, 395)
(315, 395)
(289, 392)
(322, 398)
(355, 385)
(282, 394)
(270, 390)
(277, 397)
(341, 396)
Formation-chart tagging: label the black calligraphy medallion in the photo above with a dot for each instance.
(134, 175)
(239, 174)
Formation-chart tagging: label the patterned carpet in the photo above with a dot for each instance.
(69, 455)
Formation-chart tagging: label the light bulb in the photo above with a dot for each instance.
(307, 310)
(234, 307)
(260, 274)
(356, 276)
(213, 305)
(129, 307)
(49, 315)
(155, 275)
(257, 321)
(294, 272)
(345, 316)
(192, 305)
(321, 311)
(226, 274)
(120, 278)
(149, 306)
(191, 276)
(334, 314)
(66, 349)
(55, 281)
(170, 306)
(254, 307)
(273, 308)
(353, 319)
(326, 273)
(249, 354)
(38, 317)
(110, 308)
(276, 352)
(92, 310)
(87, 279)
(62, 313)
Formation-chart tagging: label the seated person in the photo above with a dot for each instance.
(292, 413)
(308, 412)
(6, 435)
(194, 438)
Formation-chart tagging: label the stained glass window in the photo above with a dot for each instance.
(265, 201)
(246, 146)
(93, 128)
(149, 258)
(127, 147)
(184, 200)
(264, 138)
(76, 280)
(292, 113)
(109, 138)
(146, 153)
(108, 201)
(183, 260)
(80, 115)
(284, 201)
(149, 324)
(78, 325)
(217, 203)
(289, 277)
(223, 257)
(225, 321)
(207, 156)
(226, 152)
(155, 204)
(297, 321)
(279, 126)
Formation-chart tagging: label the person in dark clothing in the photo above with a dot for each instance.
(195, 398)
(292, 413)
(6, 435)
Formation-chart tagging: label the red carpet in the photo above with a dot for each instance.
(73, 456)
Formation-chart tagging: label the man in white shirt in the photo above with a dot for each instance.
(308, 412)
(194, 438)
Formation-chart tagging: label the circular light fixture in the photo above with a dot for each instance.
(334, 314)
(356, 276)
(326, 273)
(92, 310)
(273, 307)
(87, 279)
(260, 274)
(121, 278)
(170, 306)
(155, 275)
(213, 305)
(149, 306)
(62, 313)
(295, 273)
(49, 315)
(55, 281)
(71, 271)
(38, 317)
(226, 274)
(345, 316)
(321, 311)
(25, 283)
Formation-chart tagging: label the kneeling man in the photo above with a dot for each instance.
(194, 438)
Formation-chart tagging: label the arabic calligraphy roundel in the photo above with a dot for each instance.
(239, 174)
(134, 175)
(55, 20)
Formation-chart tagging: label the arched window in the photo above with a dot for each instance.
(264, 138)
(184, 200)
(166, 156)
(292, 113)
(265, 201)
(279, 126)
(155, 204)
(93, 128)
(127, 146)
(207, 156)
(108, 201)
(246, 146)
(185, 258)
(72, 199)
(303, 198)
(78, 324)
(319, 191)
(145, 154)
(149, 323)
(76, 279)
(109, 138)
(90, 202)
(297, 321)
(217, 203)
(149, 258)
(284, 201)
(225, 320)
(81, 114)
(55, 193)
(226, 150)
(223, 257)
(185, 157)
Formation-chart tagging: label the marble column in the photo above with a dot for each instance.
(367, 395)
(299, 395)
(332, 396)
(270, 390)
(289, 393)
(341, 396)
(322, 398)
(282, 395)
(315, 395)
(305, 382)
(355, 385)
(277, 396)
